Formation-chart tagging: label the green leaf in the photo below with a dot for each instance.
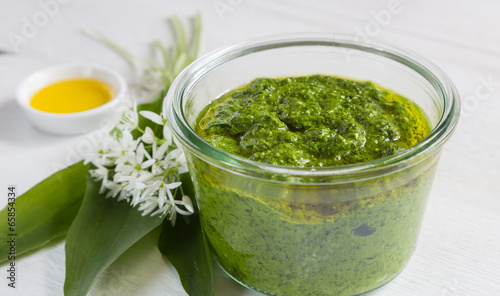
(196, 38)
(45, 211)
(100, 233)
(155, 106)
(186, 248)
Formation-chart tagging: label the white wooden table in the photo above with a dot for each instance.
(459, 248)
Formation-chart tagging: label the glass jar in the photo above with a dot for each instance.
(341, 230)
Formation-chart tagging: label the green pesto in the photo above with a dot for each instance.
(348, 239)
(294, 249)
(312, 121)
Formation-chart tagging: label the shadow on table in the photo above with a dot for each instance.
(224, 285)
(15, 128)
(142, 270)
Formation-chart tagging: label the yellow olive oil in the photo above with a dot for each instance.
(70, 96)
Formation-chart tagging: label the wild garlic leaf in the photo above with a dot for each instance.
(100, 233)
(105, 228)
(45, 211)
(186, 248)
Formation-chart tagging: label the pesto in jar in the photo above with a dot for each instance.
(312, 121)
(298, 240)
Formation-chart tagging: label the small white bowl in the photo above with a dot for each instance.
(70, 123)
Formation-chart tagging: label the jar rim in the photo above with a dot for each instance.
(172, 105)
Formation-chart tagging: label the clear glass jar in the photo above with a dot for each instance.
(341, 230)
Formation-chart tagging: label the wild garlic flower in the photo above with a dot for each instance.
(144, 171)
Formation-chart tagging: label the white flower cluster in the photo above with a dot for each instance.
(144, 171)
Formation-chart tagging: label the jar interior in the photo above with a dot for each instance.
(295, 232)
(391, 72)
